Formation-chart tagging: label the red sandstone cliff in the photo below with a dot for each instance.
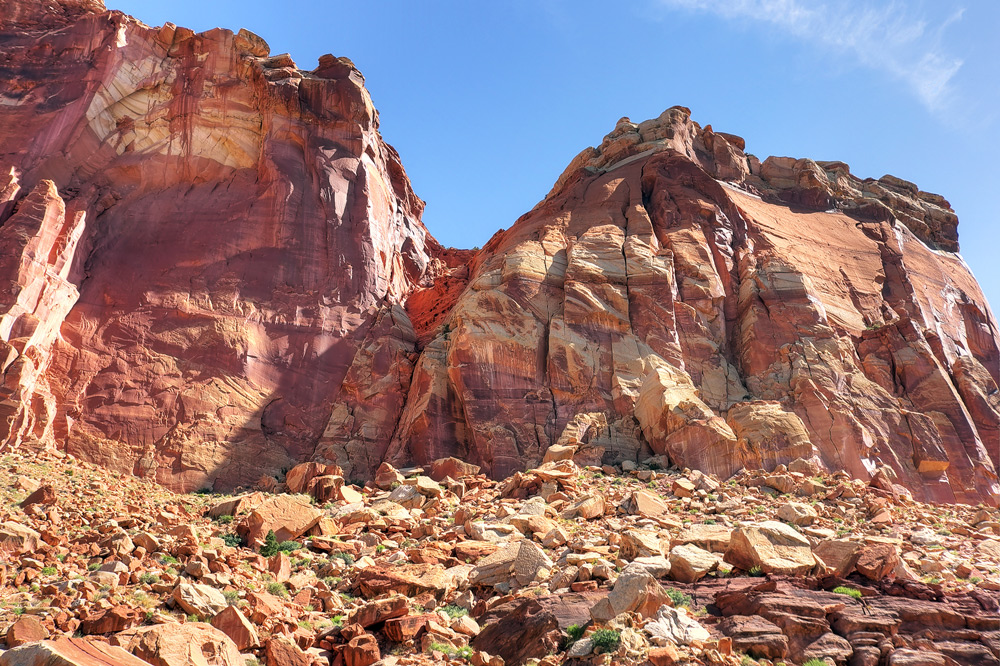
(215, 267)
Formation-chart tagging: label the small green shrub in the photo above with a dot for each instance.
(289, 546)
(93, 566)
(346, 557)
(606, 640)
(224, 520)
(49, 571)
(848, 591)
(453, 611)
(277, 589)
(338, 620)
(678, 598)
(755, 571)
(815, 662)
(270, 546)
(232, 597)
(168, 559)
(148, 578)
(232, 539)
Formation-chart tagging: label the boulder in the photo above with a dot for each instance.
(676, 626)
(451, 467)
(876, 561)
(187, 644)
(410, 579)
(288, 516)
(713, 538)
(689, 564)
(16, 538)
(522, 562)
(634, 591)
(519, 630)
(773, 546)
(45, 495)
(640, 543)
(797, 513)
(756, 636)
(591, 506)
(72, 652)
(279, 652)
(231, 621)
(27, 629)
(839, 555)
(197, 599)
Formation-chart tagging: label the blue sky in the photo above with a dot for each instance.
(488, 102)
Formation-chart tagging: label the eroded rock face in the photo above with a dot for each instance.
(215, 268)
(204, 250)
(666, 286)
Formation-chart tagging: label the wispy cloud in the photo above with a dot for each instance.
(887, 36)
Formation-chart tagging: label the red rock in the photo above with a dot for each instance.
(402, 629)
(379, 610)
(362, 651)
(453, 467)
(112, 620)
(175, 644)
(282, 653)
(69, 652)
(797, 312)
(663, 656)
(876, 561)
(234, 624)
(45, 495)
(280, 567)
(289, 517)
(26, 630)
(518, 631)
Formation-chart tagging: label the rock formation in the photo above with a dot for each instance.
(214, 267)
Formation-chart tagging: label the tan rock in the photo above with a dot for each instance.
(773, 546)
(522, 561)
(16, 538)
(187, 644)
(689, 563)
(640, 543)
(201, 600)
(797, 513)
(713, 538)
(587, 508)
(70, 652)
(27, 629)
(289, 517)
(634, 591)
(234, 624)
(839, 555)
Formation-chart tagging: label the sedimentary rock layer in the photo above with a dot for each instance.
(214, 267)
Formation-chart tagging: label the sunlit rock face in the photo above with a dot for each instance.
(204, 249)
(213, 267)
(723, 312)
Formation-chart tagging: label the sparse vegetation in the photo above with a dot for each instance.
(270, 546)
(848, 591)
(606, 640)
(678, 598)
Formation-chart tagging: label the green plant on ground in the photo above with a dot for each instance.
(747, 660)
(574, 632)
(848, 591)
(453, 611)
(606, 640)
(815, 662)
(232, 539)
(289, 546)
(93, 566)
(277, 589)
(232, 597)
(224, 519)
(270, 546)
(347, 558)
(168, 559)
(337, 620)
(755, 571)
(49, 571)
(678, 598)
(148, 578)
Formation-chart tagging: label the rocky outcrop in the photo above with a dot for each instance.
(215, 268)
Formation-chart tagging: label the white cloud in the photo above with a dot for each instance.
(882, 35)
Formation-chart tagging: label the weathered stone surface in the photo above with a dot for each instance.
(634, 591)
(689, 564)
(69, 652)
(713, 538)
(755, 636)
(671, 294)
(26, 630)
(521, 562)
(201, 600)
(518, 631)
(234, 624)
(772, 546)
(289, 517)
(187, 644)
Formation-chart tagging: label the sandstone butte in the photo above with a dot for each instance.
(214, 268)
